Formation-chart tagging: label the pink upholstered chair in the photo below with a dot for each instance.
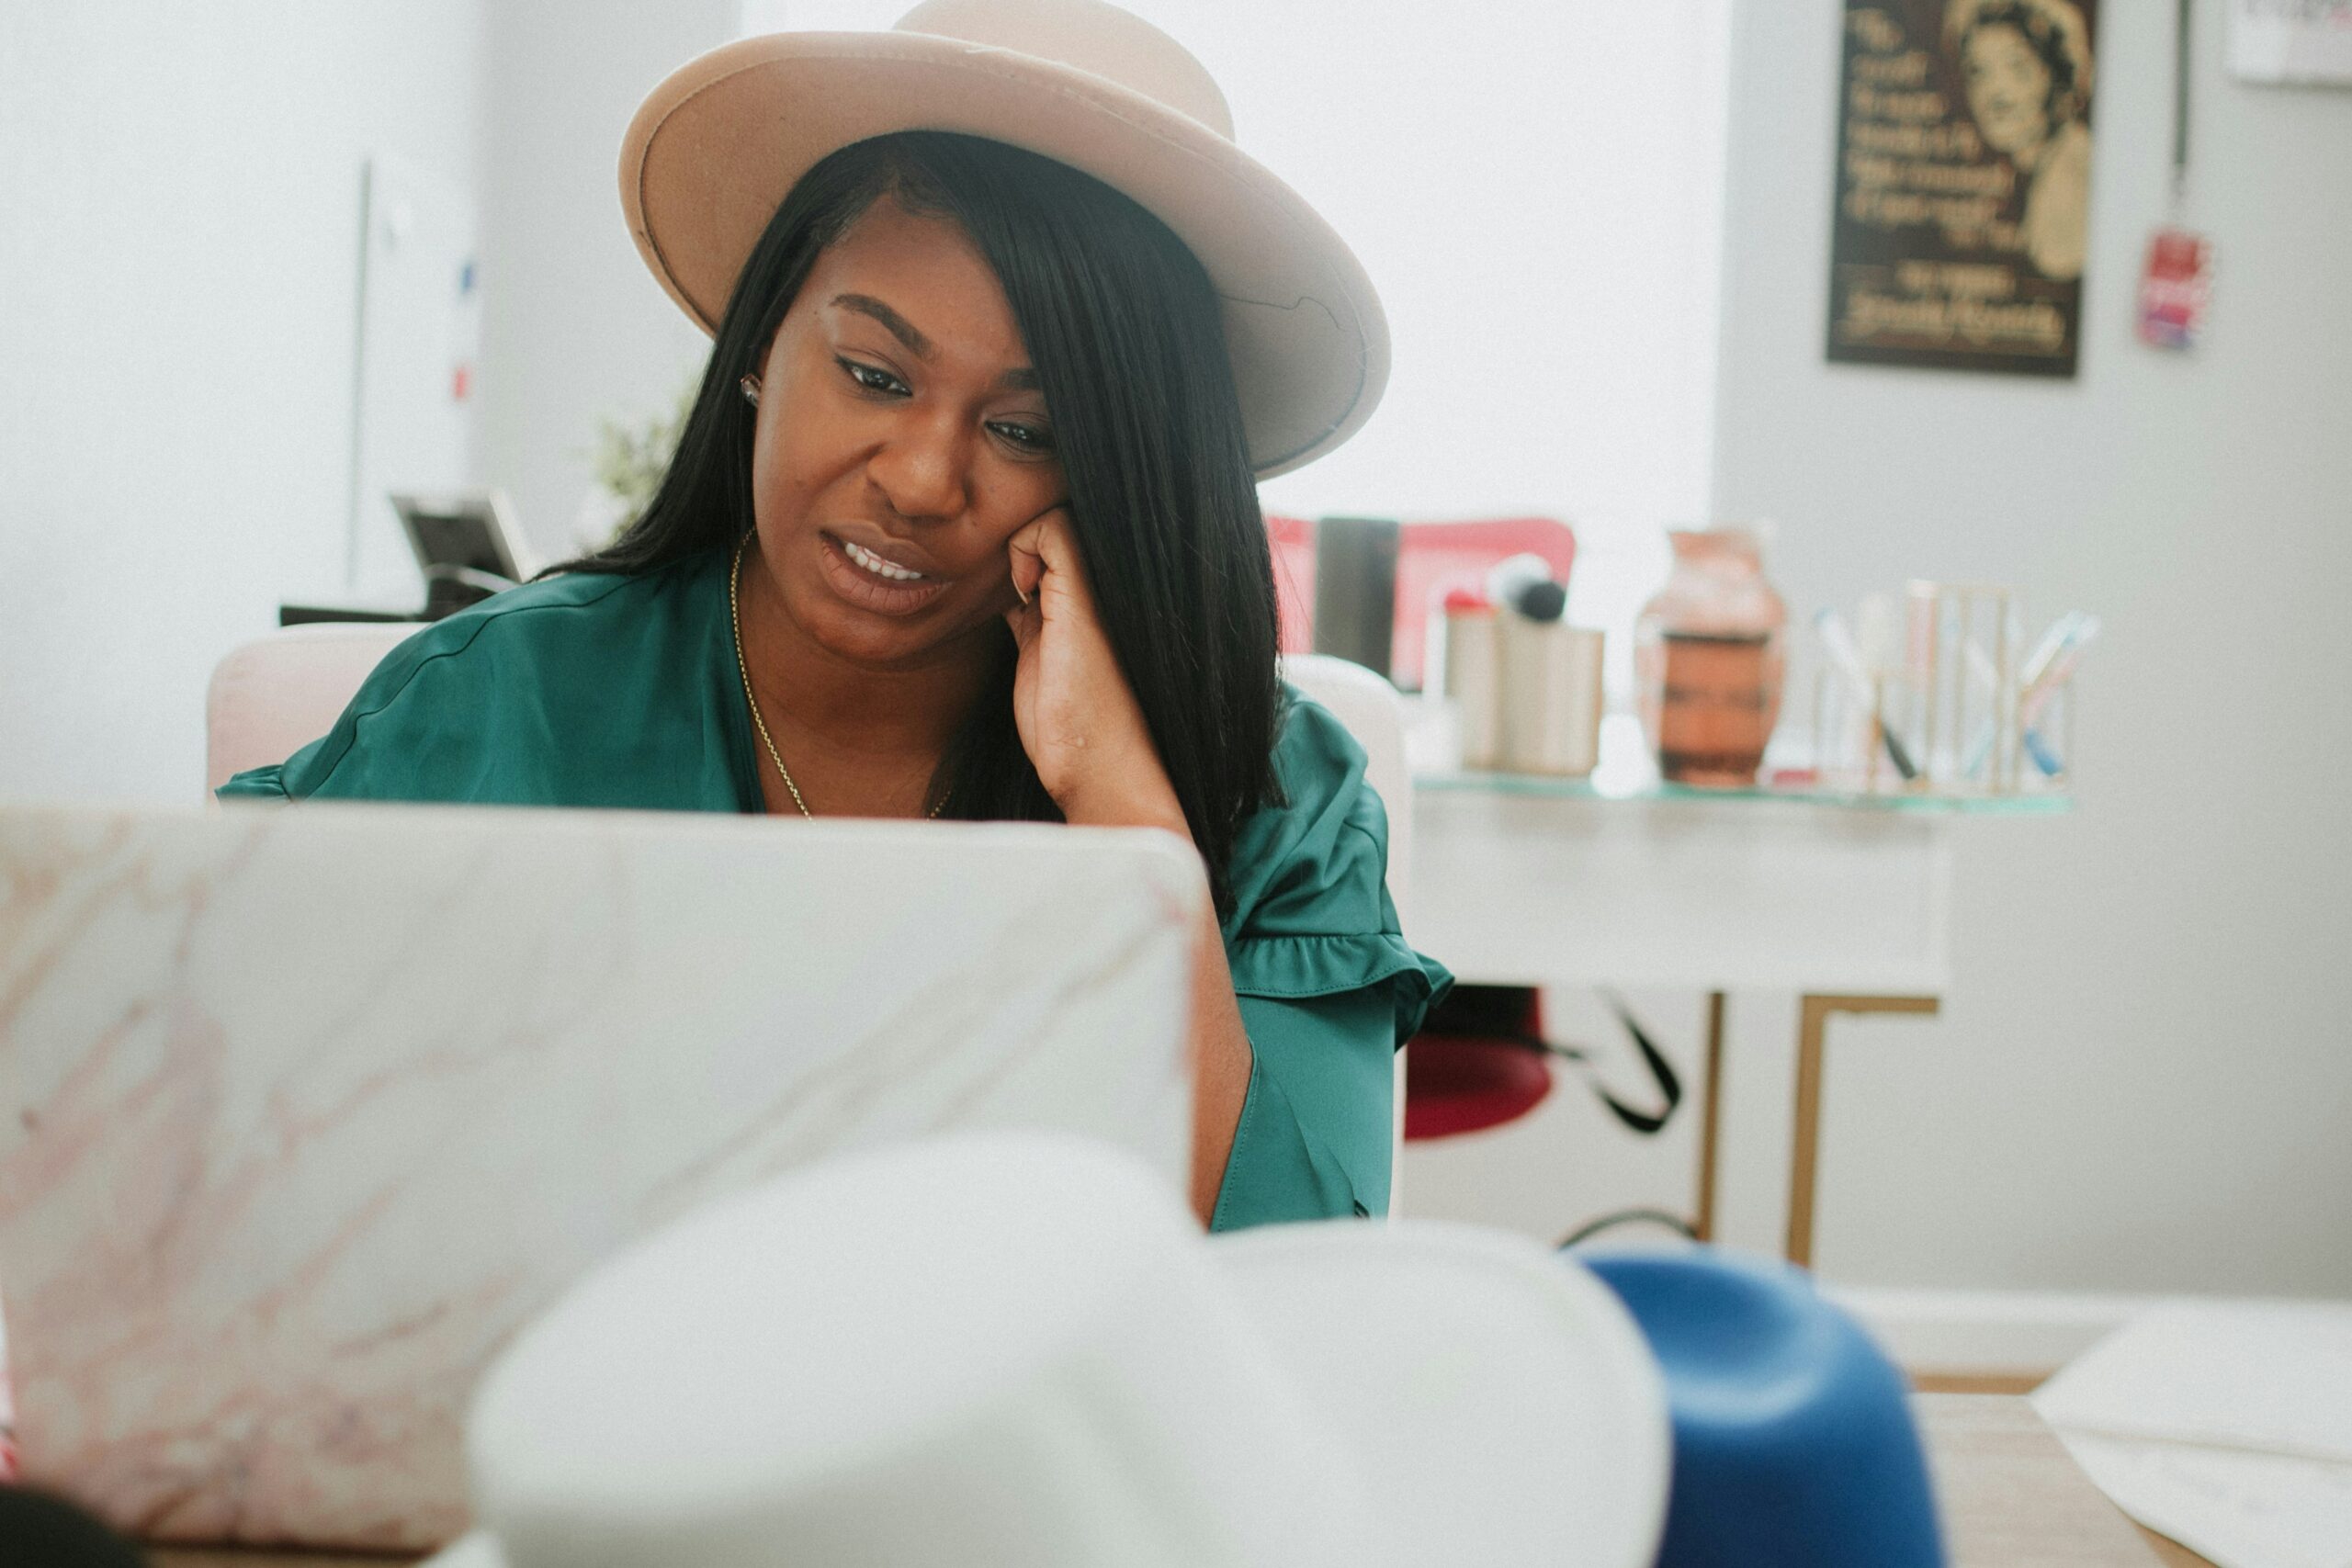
(273, 696)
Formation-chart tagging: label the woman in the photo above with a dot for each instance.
(2026, 66)
(962, 524)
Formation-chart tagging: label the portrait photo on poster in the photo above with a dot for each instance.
(1963, 184)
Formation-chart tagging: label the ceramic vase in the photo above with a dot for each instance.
(1709, 655)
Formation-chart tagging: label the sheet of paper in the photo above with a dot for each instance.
(2271, 1377)
(2240, 1509)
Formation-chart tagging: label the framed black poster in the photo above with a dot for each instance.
(1963, 184)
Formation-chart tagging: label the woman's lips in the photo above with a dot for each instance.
(883, 586)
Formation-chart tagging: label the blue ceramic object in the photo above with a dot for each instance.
(1793, 1443)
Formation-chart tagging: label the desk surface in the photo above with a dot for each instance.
(2027, 803)
(2011, 1497)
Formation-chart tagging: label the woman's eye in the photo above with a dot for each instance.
(872, 378)
(1028, 437)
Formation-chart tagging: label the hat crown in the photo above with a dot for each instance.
(1086, 35)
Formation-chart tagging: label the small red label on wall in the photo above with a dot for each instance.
(2174, 289)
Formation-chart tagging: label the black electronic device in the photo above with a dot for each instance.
(466, 545)
(1355, 589)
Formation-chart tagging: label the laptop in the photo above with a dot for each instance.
(304, 1113)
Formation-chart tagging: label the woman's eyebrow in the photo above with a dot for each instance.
(900, 328)
(1025, 380)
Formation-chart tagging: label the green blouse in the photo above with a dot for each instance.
(597, 690)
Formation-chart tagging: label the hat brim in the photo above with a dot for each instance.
(1500, 1402)
(715, 149)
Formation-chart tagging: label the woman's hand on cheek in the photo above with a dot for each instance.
(1078, 718)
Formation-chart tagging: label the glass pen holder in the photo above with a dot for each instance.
(1865, 739)
(1952, 720)
(2046, 738)
(1962, 648)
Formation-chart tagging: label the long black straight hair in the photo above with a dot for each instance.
(1123, 325)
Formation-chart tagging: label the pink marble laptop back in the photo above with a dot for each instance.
(304, 1113)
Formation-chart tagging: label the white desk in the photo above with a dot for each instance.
(1548, 882)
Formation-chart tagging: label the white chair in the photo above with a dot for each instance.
(276, 695)
(1369, 706)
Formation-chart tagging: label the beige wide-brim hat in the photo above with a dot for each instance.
(715, 149)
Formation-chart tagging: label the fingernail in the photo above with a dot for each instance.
(1020, 595)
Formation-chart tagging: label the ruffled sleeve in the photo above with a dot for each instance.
(255, 784)
(1328, 987)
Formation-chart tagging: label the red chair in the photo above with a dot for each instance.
(1482, 1060)
(1432, 559)
(1473, 1066)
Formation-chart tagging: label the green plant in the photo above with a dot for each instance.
(630, 460)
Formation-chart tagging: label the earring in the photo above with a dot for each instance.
(751, 385)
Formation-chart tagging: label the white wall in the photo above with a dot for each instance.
(178, 262)
(575, 330)
(1532, 187)
(2142, 1080)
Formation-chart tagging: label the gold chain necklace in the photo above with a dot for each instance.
(735, 619)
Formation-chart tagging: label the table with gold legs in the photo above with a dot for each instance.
(1841, 902)
(1813, 1028)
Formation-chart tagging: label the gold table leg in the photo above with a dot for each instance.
(1710, 1121)
(1811, 1027)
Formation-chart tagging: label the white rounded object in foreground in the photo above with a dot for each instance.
(1497, 1393)
(1017, 1348)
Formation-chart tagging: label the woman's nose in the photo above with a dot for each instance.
(922, 469)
